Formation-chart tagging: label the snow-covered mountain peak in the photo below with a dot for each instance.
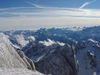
(31, 38)
(50, 42)
(21, 40)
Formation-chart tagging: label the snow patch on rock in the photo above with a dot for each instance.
(50, 42)
(21, 40)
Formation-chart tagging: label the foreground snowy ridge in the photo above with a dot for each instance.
(8, 56)
(10, 62)
(18, 71)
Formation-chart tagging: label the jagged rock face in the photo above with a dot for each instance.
(55, 65)
(28, 62)
(89, 58)
(54, 60)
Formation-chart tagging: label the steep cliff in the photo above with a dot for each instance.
(88, 55)
(54, 59)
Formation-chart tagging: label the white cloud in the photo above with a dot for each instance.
(35, 5)
(58, 12)
(27, 23)
(87, 3)
(48, 17)
(13, 8)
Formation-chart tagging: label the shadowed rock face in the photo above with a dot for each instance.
(55, 65)
(55, 60)
(88, 56)
(28, 62)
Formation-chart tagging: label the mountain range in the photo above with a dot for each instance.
(55, 51)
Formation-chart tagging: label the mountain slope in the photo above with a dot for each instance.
(54, 59)
(8, 56)
(88, 55)
(10, 61)
(46, 51)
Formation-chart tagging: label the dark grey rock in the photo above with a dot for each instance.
(54, 59)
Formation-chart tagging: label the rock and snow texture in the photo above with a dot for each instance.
(53, 59)
(88, 56)
(51, 42)
(21, 40)
(48, 54)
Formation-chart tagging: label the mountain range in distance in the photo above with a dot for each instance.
(58, 51)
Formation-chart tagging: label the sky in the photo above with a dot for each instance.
(34, 14)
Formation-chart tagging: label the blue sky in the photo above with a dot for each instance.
(33, 14)
(53, 3)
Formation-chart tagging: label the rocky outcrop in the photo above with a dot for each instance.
(92, 58)
(28, 62)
